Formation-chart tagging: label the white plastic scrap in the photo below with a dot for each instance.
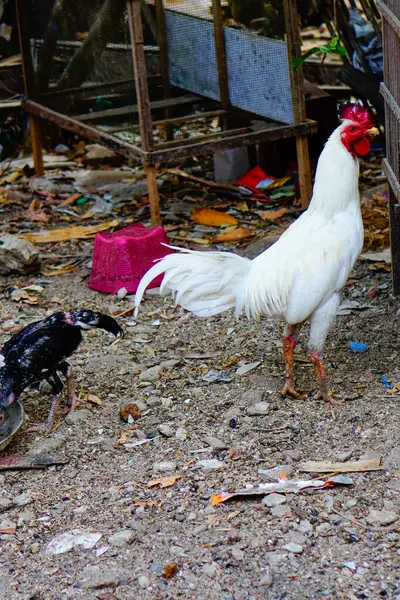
(71, 539)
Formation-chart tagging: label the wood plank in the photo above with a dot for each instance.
(83, 130)
(269, 134)
(389, 16)
(134, 109)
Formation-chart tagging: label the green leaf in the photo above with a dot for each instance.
(326, 49)
(334, 43)
(341, 50)
(300, 59)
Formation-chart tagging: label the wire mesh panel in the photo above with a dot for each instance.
(258, 67)
(390, 89)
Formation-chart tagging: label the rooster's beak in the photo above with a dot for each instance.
(374, 131)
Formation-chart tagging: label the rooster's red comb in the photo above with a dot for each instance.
(356, 113)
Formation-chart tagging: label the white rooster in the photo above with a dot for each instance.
(300, 277)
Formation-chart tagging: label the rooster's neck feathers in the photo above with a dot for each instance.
(336, 178)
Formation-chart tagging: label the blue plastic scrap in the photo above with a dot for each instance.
(386, 382)
(358, 347)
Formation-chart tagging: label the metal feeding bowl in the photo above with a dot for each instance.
(12, 422)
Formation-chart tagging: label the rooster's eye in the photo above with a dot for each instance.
(352, 129)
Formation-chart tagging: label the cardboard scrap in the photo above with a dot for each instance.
(358, 466)
(283, 486)
(68, 233)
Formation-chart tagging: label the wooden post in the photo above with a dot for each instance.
(219, 41)
(164, 63)
(30, 91)
(143, 101)
(299, 108)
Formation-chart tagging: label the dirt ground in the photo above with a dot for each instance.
(204, 428)
(342, 542)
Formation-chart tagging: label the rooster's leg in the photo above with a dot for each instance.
(289, 344)
(321, 322)
(324, 390)
(72, 398)
(57, 386)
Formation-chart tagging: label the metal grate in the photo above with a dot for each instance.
(390, 90)
(160, 80)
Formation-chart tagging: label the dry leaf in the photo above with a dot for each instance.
(125, 436)
(61, 271)
(71, 199)
(130, 410)
(68, 233)
(93, 399)
(233, 514)
(165, 482)
(209, 216)
(25, 297)
(170, 570)
(232, 234)
(358, 466)
(272, 215)
(35, 215)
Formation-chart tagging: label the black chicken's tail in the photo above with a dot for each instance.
(88, 319)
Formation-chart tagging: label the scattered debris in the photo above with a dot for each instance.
(284, 486)
(28, 461)
(358, 466)
(130, 412)
(358, 347)
(165, 482)
(72, 539)
(170, 570)
(18, 256)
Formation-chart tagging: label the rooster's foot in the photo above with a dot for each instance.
(289, 389)
(73, 402)
(329, 397)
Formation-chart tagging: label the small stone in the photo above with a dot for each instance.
(210, 570)
(17, 255)
(293, 455)
(177, 551)
(165, 430)
(153, 401)
(169, 364)
(77, 416)
(214, 442)
(210, 464)
(143, 581)
(237, 553)
(323, 528)
(22, 499)
(381, 517)
(275, 473)
(342, 456)
(261, 408)
(349, 503)
(151, 375)
(293, 547)
(5, 504)
(252, 396)
(27, 516)
(164, 466)
(8, 527)
(93, 577)
(282, 510)
(181, 433)
(275, 559)
(370, 453)
(266, 580)
(122, 539)
(156, 568)
(305, 526)
(274, 499)
(35, 548)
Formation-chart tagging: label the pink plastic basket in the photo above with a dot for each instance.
(121, 258)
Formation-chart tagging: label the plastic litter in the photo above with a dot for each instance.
(121, 258)
(358, 347)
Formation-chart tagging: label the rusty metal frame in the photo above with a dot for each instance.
(150, 154)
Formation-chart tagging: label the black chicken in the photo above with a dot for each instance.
(38, 353)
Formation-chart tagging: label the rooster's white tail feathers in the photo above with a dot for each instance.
(205, 283)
